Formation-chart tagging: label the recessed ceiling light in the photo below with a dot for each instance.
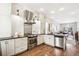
(52, 12)
(61, 9)
(41, 9)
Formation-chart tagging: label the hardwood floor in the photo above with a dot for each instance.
(45, 50)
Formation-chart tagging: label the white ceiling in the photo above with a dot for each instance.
(70, 12)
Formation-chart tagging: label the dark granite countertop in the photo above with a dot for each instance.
(60, 35)
(9, 38)
(39, 34)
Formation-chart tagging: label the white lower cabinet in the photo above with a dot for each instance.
(13, 46)
(7, 47)
(49, 40)
(40, 39)
(20, 45)
(3, 48)
(10, 47)
(46, 39)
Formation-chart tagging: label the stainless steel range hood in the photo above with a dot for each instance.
(29, 17)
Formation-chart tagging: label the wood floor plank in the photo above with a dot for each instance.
(45, 50)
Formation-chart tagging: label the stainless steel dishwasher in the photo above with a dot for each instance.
(60, 41)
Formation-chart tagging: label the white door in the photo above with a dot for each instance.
(3, 48)
(10, 47)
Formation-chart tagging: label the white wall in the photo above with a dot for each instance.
(17, 25)
(5, 21)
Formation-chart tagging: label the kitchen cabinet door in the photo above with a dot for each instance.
(24, 44)
(46, 39)
(3, 48)
(10, 47)
(20, 45)
(17, 42)
(51, 40)
(7, 47)
(36, 28)
(40, 39)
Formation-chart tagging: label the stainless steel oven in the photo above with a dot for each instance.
(32, 41)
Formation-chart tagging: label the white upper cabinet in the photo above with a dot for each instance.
(5, 9)
(36, 28)
(17, 25)
(5, 21)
